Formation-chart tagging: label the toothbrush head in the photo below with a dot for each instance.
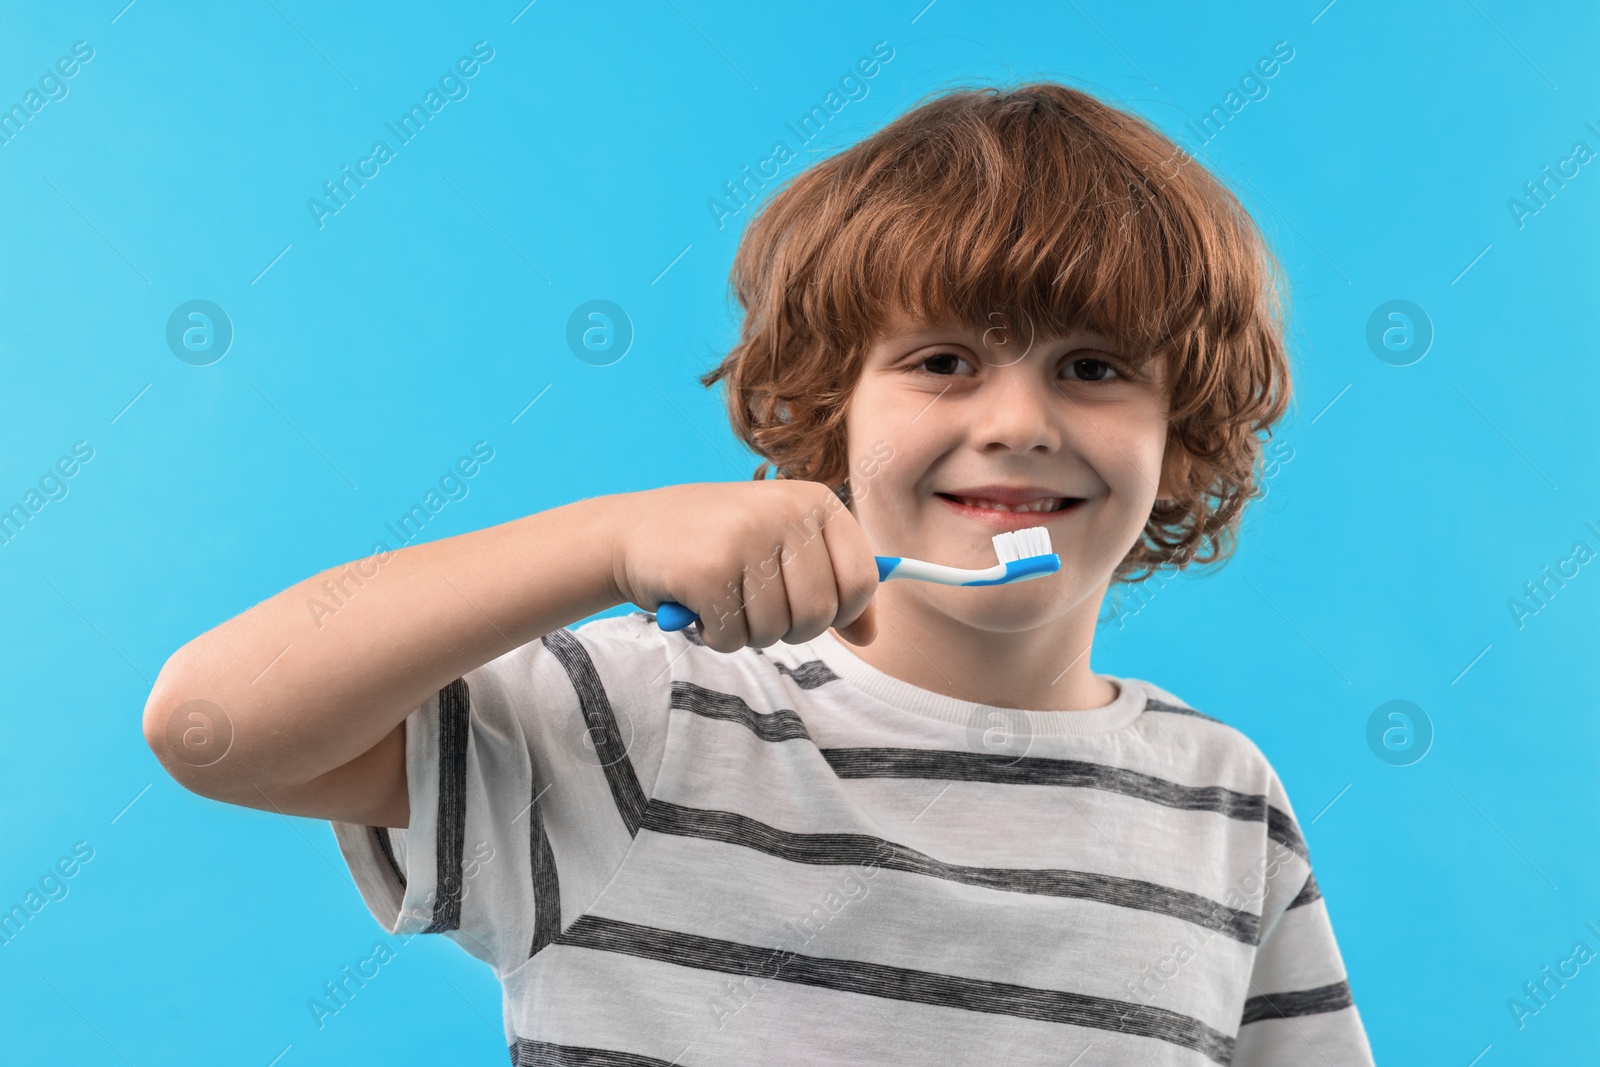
(1020, 544)
(1025, 554)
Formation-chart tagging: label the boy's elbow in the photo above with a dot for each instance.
(171, 731)
(165, 697)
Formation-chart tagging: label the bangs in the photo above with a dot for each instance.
(1020, 215)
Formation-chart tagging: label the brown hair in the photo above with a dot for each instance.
(1045, 204)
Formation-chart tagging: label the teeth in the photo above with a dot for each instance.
(1046, 504)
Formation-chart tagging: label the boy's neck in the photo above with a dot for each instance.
(1046, 669)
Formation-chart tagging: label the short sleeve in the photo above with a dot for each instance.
(1298, 1006)
(527, 780)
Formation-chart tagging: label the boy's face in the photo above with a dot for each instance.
(962, 410)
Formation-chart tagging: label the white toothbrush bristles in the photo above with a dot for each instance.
(1022, 544)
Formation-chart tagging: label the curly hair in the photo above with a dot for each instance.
(1047, 204)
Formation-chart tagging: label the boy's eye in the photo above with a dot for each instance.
(942, 363)
(1096, 369)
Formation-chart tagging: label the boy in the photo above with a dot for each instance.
(827, 824)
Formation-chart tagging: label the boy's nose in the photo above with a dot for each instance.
(1019, 412)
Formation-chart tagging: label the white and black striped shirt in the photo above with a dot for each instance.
(673, 855)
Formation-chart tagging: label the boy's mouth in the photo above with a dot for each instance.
(980, 507)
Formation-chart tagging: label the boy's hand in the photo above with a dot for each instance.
(759, 562)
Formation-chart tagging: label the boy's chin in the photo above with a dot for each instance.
(1000, 609)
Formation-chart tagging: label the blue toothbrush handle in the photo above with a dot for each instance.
(672, 615)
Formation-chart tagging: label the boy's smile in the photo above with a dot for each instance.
(989, 432)
(1007, 507)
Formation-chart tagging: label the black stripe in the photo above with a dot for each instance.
(1282, 829)
(1335, 997)
(784, 725)
(844, 849)
(454, 711)
(780, 725)
(602, 723)
(808, 675)
(380, 834)
(898, 983)
(546, 886)
(1152, 704)
(529, 1053)
(946, 764)
(1308, 892)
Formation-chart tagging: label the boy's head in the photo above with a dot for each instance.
(1022, 288)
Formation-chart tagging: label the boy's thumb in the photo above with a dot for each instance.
(863, 629)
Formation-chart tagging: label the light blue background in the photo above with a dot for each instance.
(430, 312)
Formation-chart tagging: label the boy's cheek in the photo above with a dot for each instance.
(869, 466)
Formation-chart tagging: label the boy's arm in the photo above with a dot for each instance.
(1298, 1006)
(310, 706)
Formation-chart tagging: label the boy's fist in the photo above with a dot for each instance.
(759, 562)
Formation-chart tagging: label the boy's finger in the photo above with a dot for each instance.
(766, 604)
(809, 581)
(855, 570)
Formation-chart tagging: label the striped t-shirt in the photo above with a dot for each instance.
(674, 855)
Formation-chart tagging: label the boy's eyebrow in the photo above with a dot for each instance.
(928, 335)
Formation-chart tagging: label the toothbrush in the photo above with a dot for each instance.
(1023, 554)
